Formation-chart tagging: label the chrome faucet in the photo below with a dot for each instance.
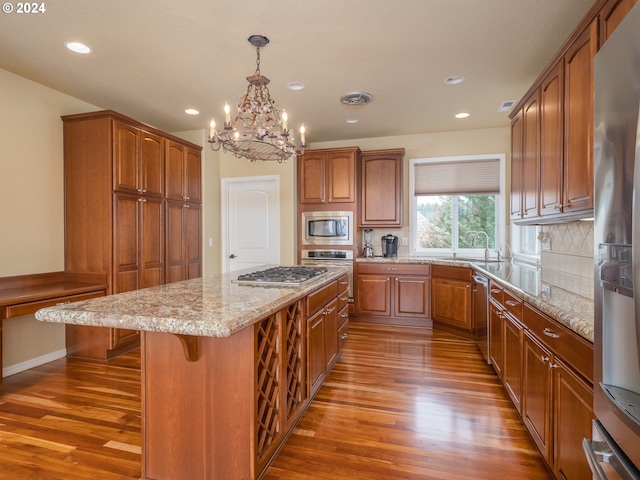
(506, 257)
(486, 243)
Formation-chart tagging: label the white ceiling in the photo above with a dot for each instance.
(153, 59)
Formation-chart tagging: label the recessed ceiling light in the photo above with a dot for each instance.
(295, 86)
(192, 111)
(352, 120)
(462, 115)
(77, 47)
(454, 79)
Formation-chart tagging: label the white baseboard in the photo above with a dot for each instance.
(33, 362)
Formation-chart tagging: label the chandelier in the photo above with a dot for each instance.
(259, 130)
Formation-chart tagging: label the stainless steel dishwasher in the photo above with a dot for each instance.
(480, 309)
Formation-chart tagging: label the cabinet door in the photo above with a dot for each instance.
(315, 352)
(373, 294)
(537, 395)
(193, 175)
(121, 337)
(516, 167)
(512, 366)
(125, 161)
(551, 134)
(573, 413)
(411, 297)
(311, 177)
(193, 240)
(530, 156)
(125, 248)
(151, 161)
(496, 336)
(381, 188)
(175, 243)
(174, 166)
(331, 334)
(151, 242)
(578, 124)
(341, 177)
(343, 328)
(451, 302)
(611, 15)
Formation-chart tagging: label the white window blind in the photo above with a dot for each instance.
(451, 178)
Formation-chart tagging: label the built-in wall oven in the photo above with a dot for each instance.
(327, 228)
(342, 258)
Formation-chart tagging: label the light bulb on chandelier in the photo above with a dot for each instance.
(259, 131)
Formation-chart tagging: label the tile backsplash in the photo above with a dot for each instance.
(570, 255)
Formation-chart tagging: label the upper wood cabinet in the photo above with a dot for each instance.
(327, 176)
(138, 160)
(611, 15)
(564, 96)
(184, 182)
(118, 177)
(380, 180)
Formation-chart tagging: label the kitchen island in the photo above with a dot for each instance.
(226, 368)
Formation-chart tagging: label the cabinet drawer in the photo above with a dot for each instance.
(395, 268)
(32, 307)
(513, 305)
(319, 299)
(343, 283)
(343, 299)
(453, 273)
(497, 293)
(343, 336)
(343, 316)
(567, 345)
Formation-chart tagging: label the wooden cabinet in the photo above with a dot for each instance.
(327, 176)
(327, 328)
(183, 240)
(516, 167)
(578, 124)
(557, 404)
(551, 140)
(451, 298)
(397, 291)
(119, 177)
(184, 182)
(380, 179)
(547, 371)
(610, 16)
(530, 155)
(537, 401)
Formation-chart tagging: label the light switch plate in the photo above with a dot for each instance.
(405, 241)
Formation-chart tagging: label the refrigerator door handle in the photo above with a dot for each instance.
(592, 457)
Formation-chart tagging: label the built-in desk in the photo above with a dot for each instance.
(24, 294)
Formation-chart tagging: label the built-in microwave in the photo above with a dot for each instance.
(327, 228)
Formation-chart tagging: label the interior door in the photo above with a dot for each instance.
(251, 222)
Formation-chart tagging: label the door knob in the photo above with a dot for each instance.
(232, 256)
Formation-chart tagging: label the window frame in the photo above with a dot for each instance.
(500, 208)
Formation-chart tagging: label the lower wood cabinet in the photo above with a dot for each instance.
(393, 290)
(451, 298)
(547, 371)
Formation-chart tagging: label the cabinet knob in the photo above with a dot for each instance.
(344, 336)
(186, 198)
(468, 286)
(143, 200)
(186, 206)
(544, 359)
(344, 298)
(511, 303)
(345, 315)
(550, 333)
(232, 256)
(495, 290)
(553, 365)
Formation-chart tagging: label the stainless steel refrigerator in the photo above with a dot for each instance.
(614, 451)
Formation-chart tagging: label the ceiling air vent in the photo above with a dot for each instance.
(506, 105)
(356, 98)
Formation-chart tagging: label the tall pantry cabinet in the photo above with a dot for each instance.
(132, 211)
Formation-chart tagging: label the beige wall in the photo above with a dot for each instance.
(31, 202)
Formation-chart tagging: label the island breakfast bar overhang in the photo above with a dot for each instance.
(225, 368)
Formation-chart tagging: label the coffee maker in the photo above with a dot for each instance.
(390, 246)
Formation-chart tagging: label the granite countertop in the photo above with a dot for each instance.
(213, 306)
(567, 305)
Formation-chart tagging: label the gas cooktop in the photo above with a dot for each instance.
(281, 276)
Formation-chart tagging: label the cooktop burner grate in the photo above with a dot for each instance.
(282, 275)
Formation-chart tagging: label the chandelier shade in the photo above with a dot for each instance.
(259, 131)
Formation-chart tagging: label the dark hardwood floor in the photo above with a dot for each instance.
(403, 403)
